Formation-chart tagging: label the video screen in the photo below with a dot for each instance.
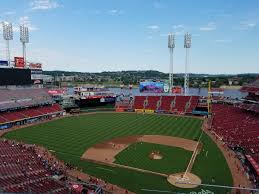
(151, 87)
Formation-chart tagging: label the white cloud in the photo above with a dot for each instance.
(115, 12)
(9, 13)
(179, 33)
(44, 5)
(179, 29)
(27, 22)
(223, 41)
(153, 27)
(148, 51)
(246, 25)
(164, 35)
(209, 27)
(196, 35)
(179, 26)
(95, 12)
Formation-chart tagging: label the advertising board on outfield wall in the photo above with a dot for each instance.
(139, 110)
(149, 111)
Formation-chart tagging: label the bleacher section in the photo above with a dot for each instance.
(23, 171)
(193, 103)
(139, 102)
(19, 98)
(180, 104)
(152, 102)
(167, 104)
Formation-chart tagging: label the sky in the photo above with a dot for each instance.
(115, 35)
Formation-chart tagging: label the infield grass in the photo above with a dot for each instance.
(137, 155)
(70, 137)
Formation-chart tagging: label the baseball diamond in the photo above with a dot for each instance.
(71, 137)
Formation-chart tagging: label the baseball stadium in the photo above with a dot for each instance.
(154, 141)
(143, 144)
(156, 136)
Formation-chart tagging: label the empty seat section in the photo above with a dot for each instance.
(139, 102)
(180, 103)
(13, 98)
(166, 103)
(56, 107)
(31, 112)
(193, 104)
(152, 102)
(12, 116)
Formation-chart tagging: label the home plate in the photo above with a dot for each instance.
(188, 181)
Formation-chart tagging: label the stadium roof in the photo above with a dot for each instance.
(252, 87)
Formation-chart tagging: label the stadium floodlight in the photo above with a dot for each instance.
(187, 40)
(24, 38)
(171, 46)
(187, 46)
(171, 40)
(8, 35)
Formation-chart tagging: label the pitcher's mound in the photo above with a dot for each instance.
(189, 181)
(155, 155)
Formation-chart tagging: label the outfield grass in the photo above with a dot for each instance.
(70, 137)
(137, 155)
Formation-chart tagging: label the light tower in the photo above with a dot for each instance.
(171, 45)
(8, 35)
(24, 38)
(187, 46)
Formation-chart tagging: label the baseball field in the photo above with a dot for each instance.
(71, 137)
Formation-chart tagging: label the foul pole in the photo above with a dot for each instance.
(209, 98)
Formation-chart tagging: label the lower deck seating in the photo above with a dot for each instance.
(238, 128)
(23, 171)
(7, 117)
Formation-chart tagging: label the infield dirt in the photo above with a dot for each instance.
(105, 152)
